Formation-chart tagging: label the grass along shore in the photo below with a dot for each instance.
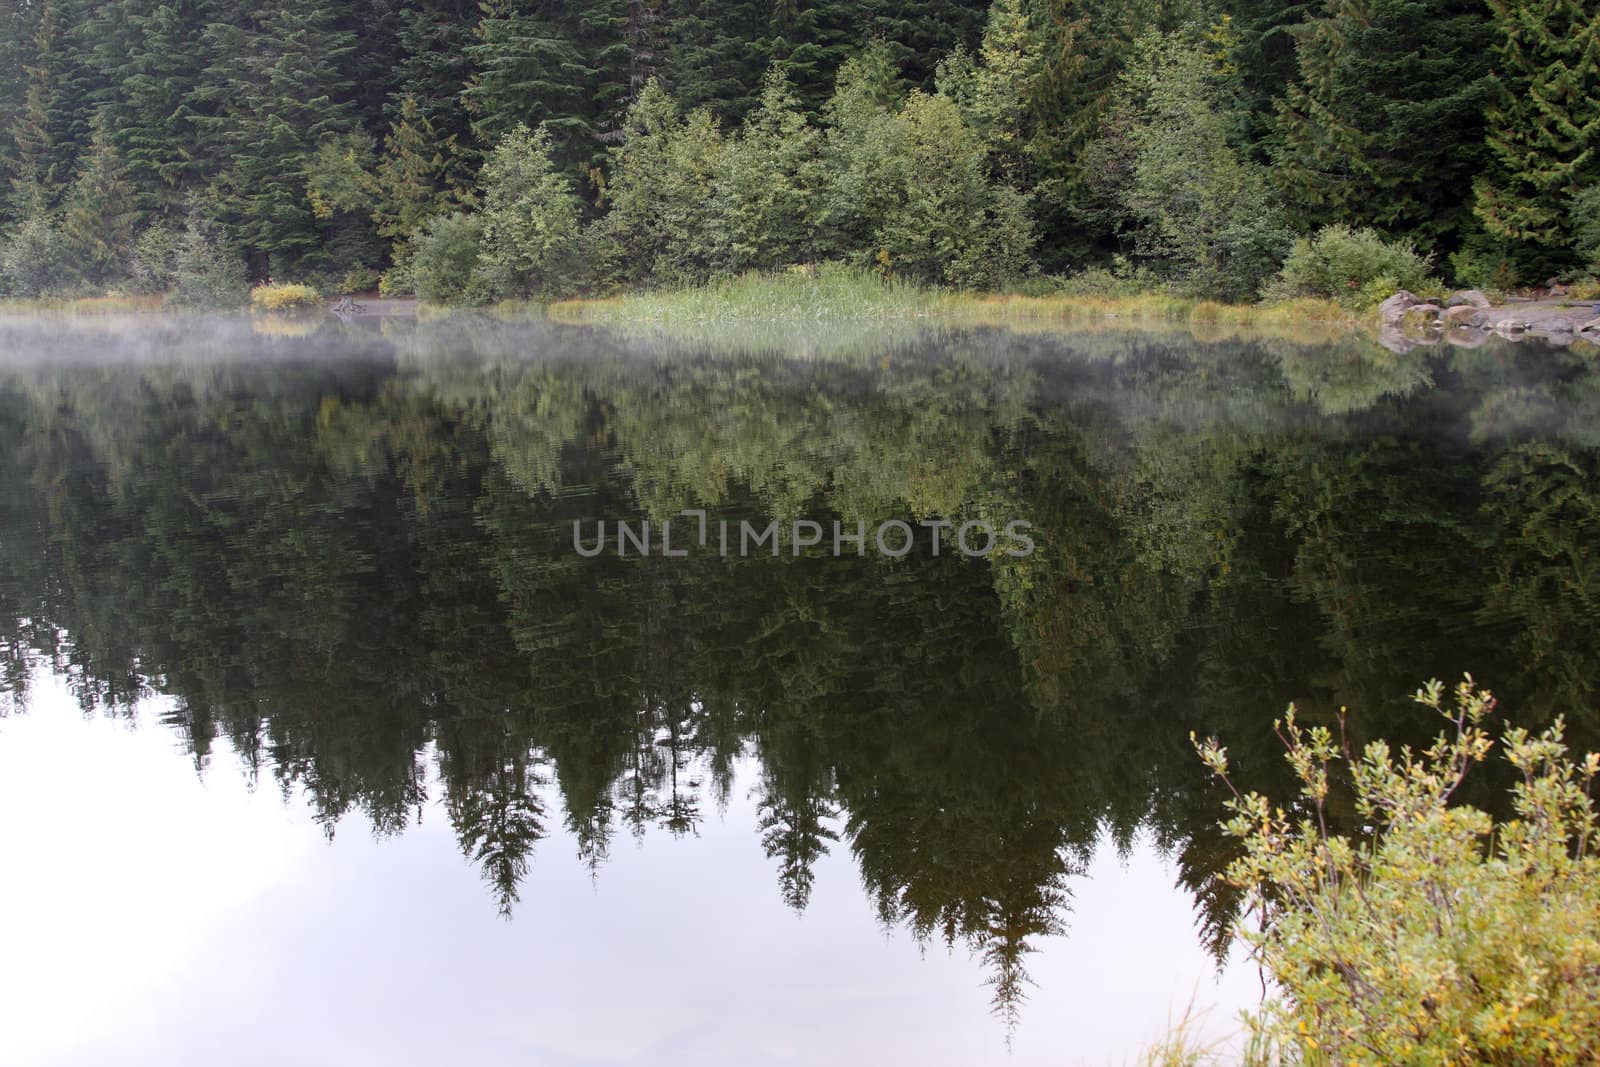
(841, 295)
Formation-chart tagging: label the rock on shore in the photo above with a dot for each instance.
(1468, 317)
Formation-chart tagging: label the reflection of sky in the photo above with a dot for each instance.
(147, 917)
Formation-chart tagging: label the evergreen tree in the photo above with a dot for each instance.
(1544, 123)
(767, 189)
(278, 78)
(530, 217)
(1204, 212)
(152, 112)
(659, 187)
(552, 64)
(1383, 125)
(42, 128)
(98, 216)
(435, 67)
(419, 176)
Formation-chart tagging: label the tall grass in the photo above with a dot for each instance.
(822, 294)
(837, 294)
(121, 304)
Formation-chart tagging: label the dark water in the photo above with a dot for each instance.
(737, 807)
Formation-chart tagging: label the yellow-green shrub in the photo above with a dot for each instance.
(1438, 936)
(290, 297)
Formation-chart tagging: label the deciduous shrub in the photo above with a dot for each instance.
(288, 297)
(1437, 935)
(445, 258)
(1355, 267)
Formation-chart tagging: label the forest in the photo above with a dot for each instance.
(471, 152)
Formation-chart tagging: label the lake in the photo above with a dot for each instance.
(352, 714)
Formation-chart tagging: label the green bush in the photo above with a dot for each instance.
(287, 297)
(1355, 267)
(1586, 227)
(358, 280)
(36, 260)
(444, 261)
(1436, 936)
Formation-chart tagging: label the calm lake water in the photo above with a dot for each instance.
(324, 743)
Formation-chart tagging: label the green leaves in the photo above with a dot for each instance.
(1437, 935)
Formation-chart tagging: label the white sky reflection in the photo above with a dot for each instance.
(150, 917)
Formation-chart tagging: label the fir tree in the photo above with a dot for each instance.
(98, 216)
(1383, 125)
(281, 91)
(418, 177)
(1544, 124)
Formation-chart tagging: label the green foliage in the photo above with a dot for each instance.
(530, 218)
(1202, 209)
(764, 198)
(444, 261)
(1544, 124)
(657, 227)
(359, 280)
(207, 270)
(419, 175)
(1355, 267)
(97, 217)
(1585, 215)
(281, 88)
(36, 259)
(949, 222)
(1383, 126)
(153, 268)
(711, 138)
(1439, 935)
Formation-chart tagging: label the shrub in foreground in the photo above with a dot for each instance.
(290, 297)
(1354, 267)
(1441, 936)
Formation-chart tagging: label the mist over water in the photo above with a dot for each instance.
(333, 561)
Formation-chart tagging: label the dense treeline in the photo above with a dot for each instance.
(516, 147)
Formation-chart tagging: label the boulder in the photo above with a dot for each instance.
(1464, 315)
(1392, 310)
(1591, 327)
(1467, 298)
(1420, 316)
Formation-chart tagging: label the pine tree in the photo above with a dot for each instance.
(720, 50)
(1383, 126)
(43, 130)
(151, 66)
(530, 66)
(98, 216)
(1544, 124)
